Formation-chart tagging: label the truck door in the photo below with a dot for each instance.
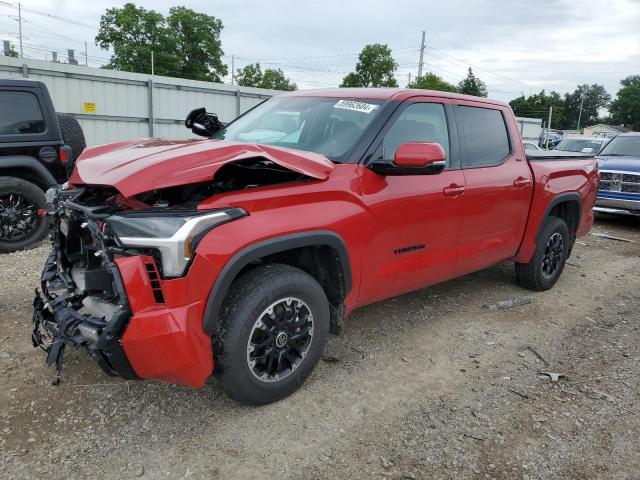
(413, 227)
(499, 186)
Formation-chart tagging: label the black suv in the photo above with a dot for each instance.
(37, 150)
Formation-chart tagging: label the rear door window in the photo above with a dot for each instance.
(485, 135)
(20, 113)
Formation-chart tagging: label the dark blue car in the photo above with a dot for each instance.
(619, 164)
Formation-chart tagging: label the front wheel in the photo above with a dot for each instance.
(273, 329)
(552, 250)
(20, 225)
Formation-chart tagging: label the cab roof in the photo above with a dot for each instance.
(386, 94)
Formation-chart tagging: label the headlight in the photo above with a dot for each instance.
(175, 234)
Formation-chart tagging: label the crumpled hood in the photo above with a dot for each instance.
(622, 164)
(138, 166)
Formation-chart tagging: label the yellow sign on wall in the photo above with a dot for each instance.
(89, 107)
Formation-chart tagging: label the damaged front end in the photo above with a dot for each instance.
(82, 300)
(103, 287)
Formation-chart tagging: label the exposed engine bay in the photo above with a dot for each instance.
(234, 176)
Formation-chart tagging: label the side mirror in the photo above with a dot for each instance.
(419, 155)
(202, 123)
(413, 158)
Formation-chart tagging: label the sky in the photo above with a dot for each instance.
(516, 47)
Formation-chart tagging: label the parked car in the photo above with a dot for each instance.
(37, 151)
(528, 145)
(619, 188)
(554, 139)
(176, 259)
(581, 144)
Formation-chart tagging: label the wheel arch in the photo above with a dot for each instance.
(322, 253)
(566, 206)
(27, 168)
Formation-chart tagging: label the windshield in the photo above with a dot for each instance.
(578, 145)
(623, 146)
(330, 126)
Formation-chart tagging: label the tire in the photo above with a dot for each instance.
(32, 198)
(72, 134)
(244, 318)
(549, 258)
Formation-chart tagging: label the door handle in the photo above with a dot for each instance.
(521, 182)
(454, 190)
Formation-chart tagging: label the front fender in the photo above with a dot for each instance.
(269, 247)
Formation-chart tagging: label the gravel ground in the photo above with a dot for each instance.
(429, 385)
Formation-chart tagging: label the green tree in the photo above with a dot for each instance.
(593, 98)
(274, 78)
(252, 76)
(625, 109)
(472, 85)
(185, 44)
(196, 37)
(538, 105)
(431, 81)
(375, 68)
(249, 76)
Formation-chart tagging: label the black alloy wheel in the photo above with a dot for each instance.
(553, 255)
(280, 339)
(20, 225)
(18, 217)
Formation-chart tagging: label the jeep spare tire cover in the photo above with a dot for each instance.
(72, 134)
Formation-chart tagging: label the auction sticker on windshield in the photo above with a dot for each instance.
(356, 106)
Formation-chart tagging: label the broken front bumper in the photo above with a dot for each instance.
(58, 322)
(116, 307)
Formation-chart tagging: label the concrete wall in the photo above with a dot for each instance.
(113, 105)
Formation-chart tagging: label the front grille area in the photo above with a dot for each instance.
(620, 182)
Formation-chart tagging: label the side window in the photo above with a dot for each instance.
(20, 113)
(486, 136)
(419, 122)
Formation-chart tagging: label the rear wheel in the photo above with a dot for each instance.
(20, 224)
(552, 251)
(273, 328)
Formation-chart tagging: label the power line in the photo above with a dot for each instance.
(444, 54)
(49, 15)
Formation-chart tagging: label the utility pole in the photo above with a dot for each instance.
(232, 68)
(409, 79)
(150, 90)
(422, 48)
(580, 113)
(546, 146)
(86, 56)
(20, 28)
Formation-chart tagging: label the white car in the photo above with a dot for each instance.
(530, 145)
(582, 144)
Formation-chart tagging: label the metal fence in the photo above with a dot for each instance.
(113, 105)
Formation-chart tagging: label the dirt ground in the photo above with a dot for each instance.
(429, 385)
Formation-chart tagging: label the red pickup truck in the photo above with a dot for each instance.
(238, 254)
